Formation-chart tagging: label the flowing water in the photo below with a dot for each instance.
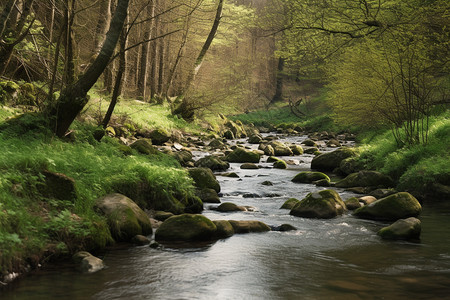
(341, 258)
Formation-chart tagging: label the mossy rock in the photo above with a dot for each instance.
(394, 207)
(204, 178)
(58, 186)
(325, 204)
(249, 166)
(403, 229)
(365, 179)
(310, 150)
(212, 162)
(280, 149)
(296, 149)
(184, 157)
(290, 203)
(217, 144)
(241, 155)
(237, 128)
(309, 143)
(255, 139)
(229, 135)
(208, 195)
(331, 160)
(351, 165)
(126, 150)
(192, 204)
(144, 146)
(162, 215)
(352, 203)
(228, 207)
(280, 164)
(186, 228)
(125, 218)
(249, 226)
(309, 177)
(268, 150)
(159, 136)
(224, 229)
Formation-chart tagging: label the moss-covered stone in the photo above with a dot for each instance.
(351, 165)
(280, 149)
(144, 146)
(268, 150)
(204, 178)
(125, 218)
(331, 160)
(365, 179)
(255, 139)
(296, 149)
(228, 207)
(159, 136)
(280, 164)
(208, 195)
(241, 155)
(309, 177)
(212, 162)
(249, 226)
(58, 186)
(162, 215)
(217, 144)
(403, 229)
(249, 166)
(393, 207)
(186, 228)
(290, 203)
(126, 150)
(310, 150)
(309, 143)
(352, 203)
(224, 229)
(325, 204)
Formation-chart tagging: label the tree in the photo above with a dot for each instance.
(74, 97)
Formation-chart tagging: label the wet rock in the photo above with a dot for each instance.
(324, 204)
(184, 157)
(125, 218)
(333, 143)
(322, 182)
(248, 226)
(212, 162)
(87, 263)
(309, 177)
(366, 200)
(267, 183)
(208, 195)
(229, 135)
(382, 193)
(204, 178)
(232, 175)
(224, 229)
(309, 143)
(310, 150)
(403, 229)
(251, 195)
(280, 149)
(217, 144)
(255, 139)
(283, 227)
(352, 203)
(228, 207)
(331, 160)
(290, 203)
(268, 150)
(185, 228)
(162, 215)
(241, 155)
(140, 240)
(393, 207)
(296, 149)
(365, 179)
(249, 166)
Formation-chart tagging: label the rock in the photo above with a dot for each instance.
(309, 177)
(140, 240)
(255, 139)
(296, 149)
(280, 149)
(204, 178)
(310, 150)
(403, 229)
(248, 226)
(280, 164)
(231, 175)
(159, 136)
(352, 203)
(212, 162)
(224, 229)
(268, 150)
(267, 182)
(144, 146)
(283, 227)
(125, 218)
(241, 155)
(322, 182)
(249, 166)
(290, 203)
(382, 193)
(393, 207)
(162, 215)
(229, 135)
(333, 143)
(186, 228)
(331, 160)
(309, 143)
(208, 195)
(58, 186)
(351, 165)
(184, 157)
(228, 206)
(217, 144)
(87, 263)
(365, 179)
(324, 204)
(366, 200)
(236, 128)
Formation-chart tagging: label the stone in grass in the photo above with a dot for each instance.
(403, 229)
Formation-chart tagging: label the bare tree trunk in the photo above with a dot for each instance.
(143, 71)
(5, 15)
(104, 13)
(279, 82)
(73, 98)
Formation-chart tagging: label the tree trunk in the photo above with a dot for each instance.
(104, 19)
(279, 84)
(5, 15)
(143, 71)
(73, 98)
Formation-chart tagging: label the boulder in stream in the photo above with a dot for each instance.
(87, 263)
(208, 195)
(403, 229)
(324, 204)
(224, 229)
(186, 228)
(204, 178)
(228, 207)
(309, 177)
(365, 179)
(249, 226)
(290, 203)
(280, 149)
(331, 160)
(241, 155)
(212, 162)
(393, 207)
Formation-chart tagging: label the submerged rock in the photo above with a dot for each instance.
(87, 263)
(248, 226)
(324, 204)
(185, 228)
(403, 229)
(393, 207)
(249, 166)
(283, 227)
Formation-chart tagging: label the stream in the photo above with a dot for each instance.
(341, 258)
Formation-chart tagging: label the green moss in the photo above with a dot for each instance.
(308, 177)
(290, 203)
(186, 227)
(240, 155)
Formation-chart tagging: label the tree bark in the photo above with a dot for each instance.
(143, 71)
(73, 98)
(104, 19)
(279, 82)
